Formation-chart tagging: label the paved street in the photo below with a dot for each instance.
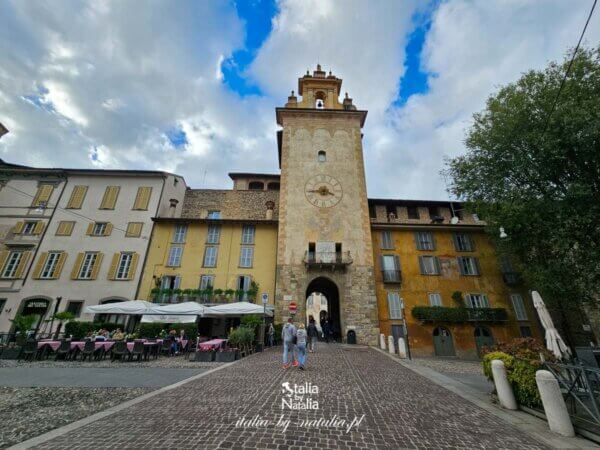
(402, 410)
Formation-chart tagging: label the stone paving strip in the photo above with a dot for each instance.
(365, 400)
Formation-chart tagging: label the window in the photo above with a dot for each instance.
(386, 240)
(65, 228)
(435, 299)
(256, 186)
(74, 307)
(429, 265)
(394, 305)
(390, 268)
(463, 242)
(434, 212)
(175, 253)
(525, 331)
(29, 227)
(210, 256)
(274, 186)
(424, 240)
(246, 255)
(243, 284)
(213, 234)
(42, 196)
(12, 264)
(51, 264)
(477, 301)
(518, 306)
(142, 198)
(321, 156)
(214, 215)
(169, 282)
(124, 266)
(134, 229)
(468, 265)
(109, 200)
(319, 104)
(248, 234)
(89, 260)
(77, 197)
(390, 211)
(2, 304)
(179, 233)
(372, 211)
(413, 212)
(99, 229)
(207, 281)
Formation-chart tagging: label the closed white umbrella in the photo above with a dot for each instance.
(129, 307)
(554, 342)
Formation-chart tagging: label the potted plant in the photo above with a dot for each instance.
(177, 294)
(228, 294)
(227, 355)
(205, 355)
(63, 316)
(23, 325)
(239, 294)
(196, 294)
(458, 299)
(218, 294)
(253, 291)
(155, 294)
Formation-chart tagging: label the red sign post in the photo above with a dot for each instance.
(293, 308)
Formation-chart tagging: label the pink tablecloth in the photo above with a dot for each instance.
(52, 344)
(214, 343)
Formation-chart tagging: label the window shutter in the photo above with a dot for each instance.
(90, 229)
(112, 271)
(108, 229)
(438, 269)
(18, 228)
(416, 237)
(422, 265)
(65, 228)
(97, 265)
(432, 236)
(477, 268)
(134, 229)
(133, 266)
(3, 257)
(43, 195)
(486, 301)
(22, 264)
(455, 240)
(37, 272)
(59, 265)
(247, 281)
(177, 282)
(471, 242)
(39, 227)
(77, 197)
(142, 198)
(396, 262)
(468, 301)
(77, 266)
(460, 265)
(109, 199)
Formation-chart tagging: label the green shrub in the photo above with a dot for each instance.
(150, 330)
(79, 330)
(241, 336)
(440, 314)
(489, 357)
(522, 378)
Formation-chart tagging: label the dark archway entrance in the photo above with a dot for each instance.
(329, 290)
(483, 338)
(442, 342)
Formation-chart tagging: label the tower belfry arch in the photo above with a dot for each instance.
(324, 226)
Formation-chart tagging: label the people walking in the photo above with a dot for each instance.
(326, 330)
(288, 336)
(271, 335)
(313, 334)
(301, 346)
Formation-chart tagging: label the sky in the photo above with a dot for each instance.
(191, 87)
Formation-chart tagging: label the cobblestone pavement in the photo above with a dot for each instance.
(177, 362)
(401, 410)
(448, 365)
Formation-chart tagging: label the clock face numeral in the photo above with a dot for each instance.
(323, 191)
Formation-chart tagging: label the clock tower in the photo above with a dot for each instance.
(324, 241)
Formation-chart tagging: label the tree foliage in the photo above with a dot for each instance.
(538, 176)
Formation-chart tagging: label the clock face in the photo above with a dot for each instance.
(323, 191)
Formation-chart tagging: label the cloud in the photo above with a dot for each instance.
(115, 85)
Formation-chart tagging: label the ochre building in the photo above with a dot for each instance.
(422, 270)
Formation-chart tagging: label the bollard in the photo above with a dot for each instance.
(391, 344)
(503, 387)
(401, 348)
(554, 404)
(382, 341)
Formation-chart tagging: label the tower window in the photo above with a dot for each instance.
(320, 100)
(256, 186)
(322, 156)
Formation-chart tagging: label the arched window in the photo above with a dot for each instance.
(320, 100)
(274, 186)
(322, 156)
(256, 185)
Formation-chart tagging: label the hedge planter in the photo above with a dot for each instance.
(205, 356)
(11, 353)
(226, 356)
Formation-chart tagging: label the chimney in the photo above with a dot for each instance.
(172, 206)
(270, 206)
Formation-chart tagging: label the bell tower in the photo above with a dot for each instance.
(324, 228)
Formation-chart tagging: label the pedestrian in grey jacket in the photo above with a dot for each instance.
(288, 335)
(301, 345)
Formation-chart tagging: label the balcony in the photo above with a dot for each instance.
(332, 260)
(459, 315)
(512, 278)
(391, 276)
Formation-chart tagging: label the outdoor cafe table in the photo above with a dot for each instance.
(79, 345)
(212, 344)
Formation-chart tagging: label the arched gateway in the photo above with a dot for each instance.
(330, 294)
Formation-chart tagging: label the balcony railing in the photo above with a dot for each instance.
(457, 315)
(331, 259)
(512, 278)
(391, 276)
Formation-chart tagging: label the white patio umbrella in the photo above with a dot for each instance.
(129, 307)
(185, 312)
(236, 309)
(554, 342)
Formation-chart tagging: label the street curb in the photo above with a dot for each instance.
(526, 423)
(42, 438)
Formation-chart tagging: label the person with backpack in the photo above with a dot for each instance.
(301, 345)
(288, 336)
(313, 334)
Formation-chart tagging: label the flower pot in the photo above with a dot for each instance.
(11, 353)
(205, 356)
(226, 356)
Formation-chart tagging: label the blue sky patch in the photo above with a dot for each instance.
(177, 137)
(257, 15)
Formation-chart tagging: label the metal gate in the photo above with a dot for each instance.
(442, 342)
(483, 338)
